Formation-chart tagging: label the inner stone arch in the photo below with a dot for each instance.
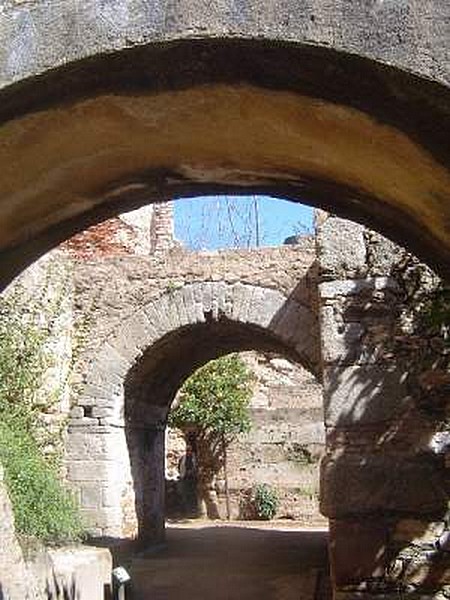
(138, 370)
(150, 388)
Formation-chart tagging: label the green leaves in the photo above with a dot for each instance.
(22, 361)
(215, 398)
(42, 507)
(265, 501)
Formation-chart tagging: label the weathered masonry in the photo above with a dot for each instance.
(150, 322)
(342, 104)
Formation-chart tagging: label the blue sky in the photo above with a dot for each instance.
(212, 222)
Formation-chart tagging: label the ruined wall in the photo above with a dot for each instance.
(15, 583)
(385, 479)
(42, 296)
(286, 442)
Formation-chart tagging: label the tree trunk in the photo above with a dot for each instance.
(206, 473)
(225, 474)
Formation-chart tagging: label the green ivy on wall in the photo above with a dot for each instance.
(43, 508)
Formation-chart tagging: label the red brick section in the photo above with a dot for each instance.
(110, 238)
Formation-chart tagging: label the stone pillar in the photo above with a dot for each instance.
(147, 450)
(98, 468)
(161, 229)
(378, 471)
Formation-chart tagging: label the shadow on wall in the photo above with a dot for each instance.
(385, 483)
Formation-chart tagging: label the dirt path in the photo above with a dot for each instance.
(217, 562)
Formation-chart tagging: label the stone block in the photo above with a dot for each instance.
(100, 412)
(207, 296)
(356, 395)
(87, 444)
(189, 303)
(110, 364)
(382, 254)
(109, 519)
(83, 422)
(77, 412)
(85, 570)
(91, 496)
(181, 309)
(374, 483)
(154, 319)
(341, 342)
(422, 569)
(358, 550)
(342, 248)
(246, 304)
(219, 299)
(294, 324)
(95, 470)
(329, 290)
(257, 305)
(135, 334)
(111, 497)
(239, 293)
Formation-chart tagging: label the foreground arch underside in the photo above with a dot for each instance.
(169, 120)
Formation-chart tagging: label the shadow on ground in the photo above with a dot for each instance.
(228, 563)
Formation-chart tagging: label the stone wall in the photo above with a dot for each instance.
(15, 583)
(108, 289)
(139, 232)
(39, 573)
(385, 476)
(385, 483)
(43, 297)
(286, 442)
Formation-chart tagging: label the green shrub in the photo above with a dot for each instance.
(264, 501)
(43, 508)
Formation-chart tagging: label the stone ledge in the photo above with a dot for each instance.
(83, 571)
(355, 485)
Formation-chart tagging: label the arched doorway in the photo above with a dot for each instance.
(155, 349)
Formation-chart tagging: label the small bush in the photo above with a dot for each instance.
(264, 502)
(43, 508)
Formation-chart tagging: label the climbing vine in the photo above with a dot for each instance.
(422, 340)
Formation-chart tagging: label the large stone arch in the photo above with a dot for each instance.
(344, 105)
(118, 442)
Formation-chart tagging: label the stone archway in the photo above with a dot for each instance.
(136, 111)
(345, 106)
(131, 383)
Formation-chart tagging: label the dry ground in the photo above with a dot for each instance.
(233, 561)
